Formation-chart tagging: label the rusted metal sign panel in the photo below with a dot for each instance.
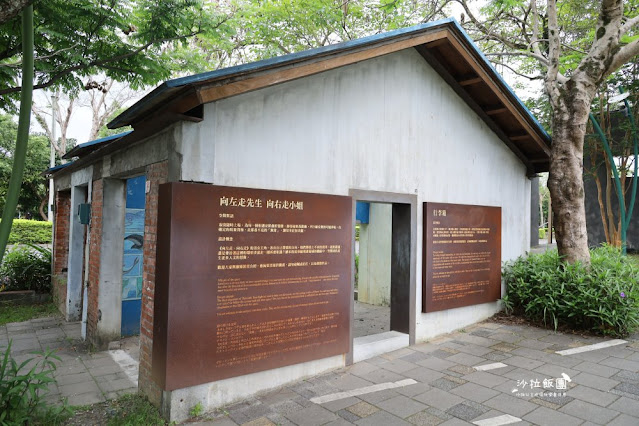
(462, 256)
(248, 280)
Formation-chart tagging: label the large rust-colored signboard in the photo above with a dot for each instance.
(462, 256)
(248, 280)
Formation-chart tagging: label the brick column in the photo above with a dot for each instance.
(61, 249)
(95, 239)
(156, 174)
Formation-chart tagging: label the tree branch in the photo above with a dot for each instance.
(96, 63)
(629, 24)
(554, 51)
(538, 77)
(622, 56)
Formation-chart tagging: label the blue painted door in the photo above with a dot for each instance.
(133, 255)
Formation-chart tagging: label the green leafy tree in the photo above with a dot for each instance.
(574, 46)
(128, 41)
(33, 193)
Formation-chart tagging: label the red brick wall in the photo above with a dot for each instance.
(61, 227)
(95, 239)
(156, 174)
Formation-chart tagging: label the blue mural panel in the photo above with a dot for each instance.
(132, 264)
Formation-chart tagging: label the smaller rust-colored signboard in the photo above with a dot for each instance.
(462, 256)
(248, 280)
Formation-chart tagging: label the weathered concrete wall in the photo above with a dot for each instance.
(375, 256)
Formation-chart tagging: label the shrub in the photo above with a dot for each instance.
(22, 393)
(26, 268)
(25, 231)
(603, 298)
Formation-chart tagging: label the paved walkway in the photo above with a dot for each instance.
(488, 374)
(83, 377)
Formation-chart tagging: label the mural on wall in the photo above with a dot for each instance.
(133, 255)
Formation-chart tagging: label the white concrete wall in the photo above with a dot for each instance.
(387, 124)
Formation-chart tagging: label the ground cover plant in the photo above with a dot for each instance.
(18, 313)
(23, 387)
(26, 268)
(602, 298)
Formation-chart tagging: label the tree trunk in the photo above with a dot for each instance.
(565, 180)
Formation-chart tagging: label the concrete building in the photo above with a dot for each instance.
(398, 119)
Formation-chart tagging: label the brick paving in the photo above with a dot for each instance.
(82, 377)
(602, 386)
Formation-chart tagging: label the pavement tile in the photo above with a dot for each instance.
(506, 337)
(622, 364)
(376, 397)
(482, 332)
(436, 364)
(424, 375)
(628, 388)
(381, 375)
(85, 398)
(402, 406)
(587, 411)
(474, 392)
(381, 418)
(286, 407)
(461, 369)
(466, 359)
(546, 416)
(415, 356)
(626, 376)
(497, 356)
(339, 404)
(443, 352)
(339, 422)
(262, 421)
(503, 347)
(362, 409)
(79, 388)
(465, 411)
(399, 365)
(348, 382)
(626, 405)
(592, 396)
(623, 420)
(424, 418)
(361, 368)
(347, 415)
(510, 405)
(592, 356)
(412, 390)
(445, 384)
(280, 420)
(243, 413)
(454, 421)
(70, 379)
(521, 362)
(485, 379)
(477, 340)
(439, 399)
(553, 371)
(593, 381)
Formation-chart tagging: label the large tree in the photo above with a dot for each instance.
(125, 40)
(578, 45)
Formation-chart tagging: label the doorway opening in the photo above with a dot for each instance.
(383, 310)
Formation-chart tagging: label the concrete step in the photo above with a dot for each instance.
(366, 347)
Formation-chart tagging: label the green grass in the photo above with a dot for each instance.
(9, 313)
(634, 258)
(133, 410)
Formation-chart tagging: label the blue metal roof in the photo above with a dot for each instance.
(82, 148)
(52, 170)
